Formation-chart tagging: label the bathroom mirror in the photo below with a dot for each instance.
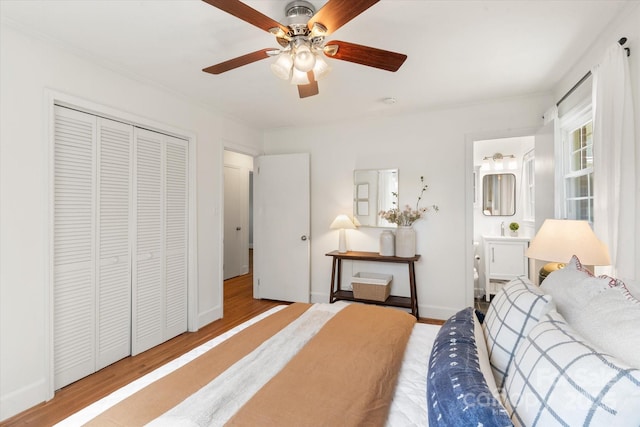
(499, 194)
(372, 193)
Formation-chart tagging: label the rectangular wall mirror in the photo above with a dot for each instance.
(372, 193)
(499, 194)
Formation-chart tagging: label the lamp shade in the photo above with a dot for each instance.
(341, 221)
(282, 66)
(321, 68)
(298, 77)
(559, 239)
(303, 58)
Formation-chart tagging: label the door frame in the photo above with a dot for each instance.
(470, 139)
(53, 97)
(245, 169)
(233, 147)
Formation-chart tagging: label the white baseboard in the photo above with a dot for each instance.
(209, 316)
(14, 402)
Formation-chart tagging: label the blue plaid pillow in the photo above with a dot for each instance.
(457, 392)
(512, 313)
(558, 378)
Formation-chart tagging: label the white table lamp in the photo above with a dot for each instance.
(559, 239)
(341, 223)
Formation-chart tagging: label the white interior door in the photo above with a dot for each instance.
(232, 222)
(281, 227)
(92, 276)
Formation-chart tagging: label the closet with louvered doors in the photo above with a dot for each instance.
(96, 232)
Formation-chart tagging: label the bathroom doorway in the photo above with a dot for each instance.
(504, 189)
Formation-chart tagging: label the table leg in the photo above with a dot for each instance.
(339, 274)
(333, 281)
(414, 294)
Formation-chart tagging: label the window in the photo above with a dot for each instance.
(578, 176)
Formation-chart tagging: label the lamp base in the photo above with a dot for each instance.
(548, 269)
(342, 242)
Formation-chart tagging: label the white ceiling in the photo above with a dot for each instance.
(459, 52)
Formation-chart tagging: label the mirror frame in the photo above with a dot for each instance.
(499, 195)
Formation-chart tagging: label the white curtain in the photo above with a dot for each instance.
(614, 161)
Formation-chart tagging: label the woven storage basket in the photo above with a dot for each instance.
(371, 286)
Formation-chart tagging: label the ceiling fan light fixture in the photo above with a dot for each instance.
(318, 30)
(278, 32)
(321, 68)
(282, 66)
(299, 77)
(330, 49)
(303, 58)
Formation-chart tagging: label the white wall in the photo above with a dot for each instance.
(433, 144)
(28, 67)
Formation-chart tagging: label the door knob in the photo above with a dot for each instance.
(238, 228)
(303, 238)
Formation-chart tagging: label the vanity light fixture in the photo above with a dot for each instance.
(500, 162)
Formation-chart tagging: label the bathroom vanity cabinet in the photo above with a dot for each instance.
(504, 260)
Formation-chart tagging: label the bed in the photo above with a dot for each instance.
(315, 342)
(541, 356)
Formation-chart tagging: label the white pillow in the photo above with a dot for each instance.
(514, 310)
(557, 378)
(611, 321)
(572, 287)
(633, 286)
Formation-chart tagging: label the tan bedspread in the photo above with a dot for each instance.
(345, 375)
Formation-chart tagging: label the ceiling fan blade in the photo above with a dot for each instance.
(238, 62)
(247, 14)
(308, 89)
(365, 55)
(335, 13)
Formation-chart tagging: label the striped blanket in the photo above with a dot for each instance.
(320, 364)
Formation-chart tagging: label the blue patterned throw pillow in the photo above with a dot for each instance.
(457, 392)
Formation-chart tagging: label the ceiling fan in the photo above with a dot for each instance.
(300, 58)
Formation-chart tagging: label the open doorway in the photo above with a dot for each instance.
(503, 195)
(237, 221)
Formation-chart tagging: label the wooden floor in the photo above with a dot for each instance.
(239, 306)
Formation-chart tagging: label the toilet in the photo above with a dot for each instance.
(478, 290)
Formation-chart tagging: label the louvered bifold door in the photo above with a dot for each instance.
(176, 231)
(74, 246)
(115, 142)
(159, 288)
(148, 276)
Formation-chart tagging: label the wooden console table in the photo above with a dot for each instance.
(395, 301)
